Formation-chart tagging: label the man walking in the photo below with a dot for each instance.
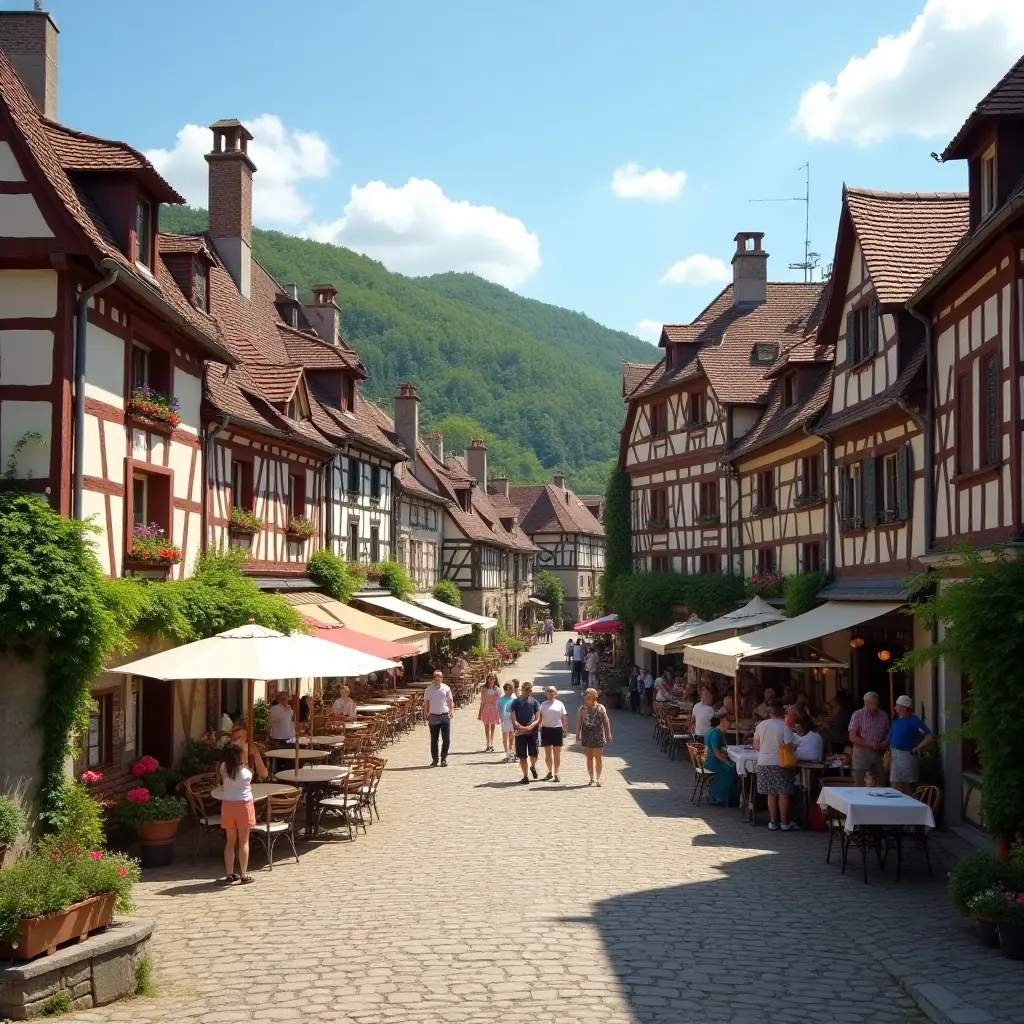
(526, 718)
(869, 734)
(439, 707)
(554, 720)
(569, 645)
(579, 653)
(549, 629)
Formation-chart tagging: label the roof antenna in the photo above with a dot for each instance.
(811, 260)
(935, 156)
(39, 6)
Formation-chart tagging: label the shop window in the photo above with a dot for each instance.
(99, 740)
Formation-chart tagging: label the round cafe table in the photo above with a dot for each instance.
(260, 791)
(336, 739)
(372, 709)
(314, 779)
(288, 754)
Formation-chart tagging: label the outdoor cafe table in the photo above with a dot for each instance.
(260, 791)
(881, 807)
(314, 779)
(745, 759)
(288, 754)
(372, 709)
(336, 739)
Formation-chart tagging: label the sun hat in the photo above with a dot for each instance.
(904, 701)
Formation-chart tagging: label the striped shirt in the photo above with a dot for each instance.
(871, 727)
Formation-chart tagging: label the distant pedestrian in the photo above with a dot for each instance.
(549, 629)
(237, 813)
(508, 733)
(525, 719)
(569, 645)
(489, 714)
(579, 654)
(594, 732)
(592, 662)
(439, 707)
(869, 734)
(636, 685)
(554, 723)
(648, 694)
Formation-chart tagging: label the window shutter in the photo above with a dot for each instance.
(903, 479)
(851, 355)
(992, 409)
(844, 483)
(820, 482)
(867, 486)
(872, 327)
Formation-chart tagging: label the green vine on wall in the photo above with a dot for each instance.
(332, 573)
(618, 538)
(11, 472)
(649, 597)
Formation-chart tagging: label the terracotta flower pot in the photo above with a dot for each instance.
(45, 934)
(157, 841)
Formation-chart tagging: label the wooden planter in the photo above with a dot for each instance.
(45, 934)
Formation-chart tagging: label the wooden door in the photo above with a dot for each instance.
(158, 720)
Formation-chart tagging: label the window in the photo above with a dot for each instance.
(140, 367)
(765, 493)
(888, 489)
(765, 352)
(988, 182)
(790, 391)
(133, 717)
(658, 420)
(707, 508)
(353, 540)
(236, 485)
(764, 560)
(374, 545)
(964, 419)
(99, 748)
(659, 508)
(659, 563)
(710, 564)
(850, 497)
(861, 333)
(672, 357)
(355, 472)
(809, 558)
(350, 394)
(296, 495)
(294, 411)
(241, 485)
(143, 233)
(199, 286)
(988, 427)
(696, 409)
(809, 480)
(375, 483)
(140, 499)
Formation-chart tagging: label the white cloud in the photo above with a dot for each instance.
(698, 270)
(923, 82)
(417, 229)
(649, 330)
(283, 158)
(632, 182)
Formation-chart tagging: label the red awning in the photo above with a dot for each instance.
(346, 637)
(605, 624)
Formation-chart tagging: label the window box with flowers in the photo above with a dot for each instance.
(657, 523)
(243, 521)
(708, 518)
(767, 583)
(804, 500)
(153, 408)
(153, 814)
(150, 546)
(763, 510)
(301, 528)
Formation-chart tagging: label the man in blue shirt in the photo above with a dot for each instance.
(525, 719)
(908, 736)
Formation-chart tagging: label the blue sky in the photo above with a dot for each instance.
(462, 135)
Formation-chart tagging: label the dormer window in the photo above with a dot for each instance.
(199, 281)
(790, 391)
(673, 357)
(144, 234)
(988, 181)
(466, 499)
(295, 409)
(349, 394)
(765, 352)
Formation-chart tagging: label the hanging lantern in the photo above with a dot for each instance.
(884, 655)
(857, 641)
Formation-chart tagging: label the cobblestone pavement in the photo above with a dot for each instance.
(476, 900)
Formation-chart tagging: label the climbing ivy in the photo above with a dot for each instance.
(618, 544)
(801, 592)
(649, 597)
(332, 573)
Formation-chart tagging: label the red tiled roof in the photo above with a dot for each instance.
(315, 353)
(905, 236)
(408, 482)
(633, 375)
(190, 244)
(547, 510)
(1004, 99)
(726, 336)
(276, 383)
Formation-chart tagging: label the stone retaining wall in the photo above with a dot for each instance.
(90, 973)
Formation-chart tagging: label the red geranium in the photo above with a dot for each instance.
(137, 796)
(145, 765)
(90, 777)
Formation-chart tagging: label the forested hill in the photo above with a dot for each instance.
(539, 382)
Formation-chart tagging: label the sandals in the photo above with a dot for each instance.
(231, 879)
(247, 879)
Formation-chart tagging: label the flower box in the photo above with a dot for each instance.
(657, 523)
(153, 409)
(708, 518)
(803, 500)
(761, 510)
(150, 546)
(45, 934)
(244, 522)
(301, 528)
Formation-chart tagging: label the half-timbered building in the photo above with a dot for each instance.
(684, 413)
(568, 539)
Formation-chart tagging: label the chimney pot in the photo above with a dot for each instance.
(749, 270)
(407, 420)
(324, 315)
(230, 201)
(476, 462)
(29, 40)
(435, 444)
(559, 480)
(500, 485)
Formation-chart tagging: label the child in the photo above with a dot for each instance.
(508, 737)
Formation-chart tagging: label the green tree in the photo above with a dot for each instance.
(548, 586)
(448, 592)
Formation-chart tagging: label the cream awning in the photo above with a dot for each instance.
(538, 602)
(756, 612)
(460, 614)
(727, 656)
(332, 612)
(431, 620)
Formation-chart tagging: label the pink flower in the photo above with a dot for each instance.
(145, 765)
(55, 855)
(96, 854)
(138, 796)
(90, 777)
(122, 872)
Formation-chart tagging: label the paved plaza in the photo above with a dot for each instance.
(478, 900)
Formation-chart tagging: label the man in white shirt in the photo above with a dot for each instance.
(591, 665)
(701, 715)
(345, 707)
(554, 720)
(649, 694)
(579, 653)
(281, 723)
(439, 707)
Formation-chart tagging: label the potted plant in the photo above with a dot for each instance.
(152, 407)
(767, 584)
(150, 545)
(12, 824)
(612, 693)
(301, 528)
(243, 521)
(49, 899)
(154, 815)
(978, 871)
(985, 908)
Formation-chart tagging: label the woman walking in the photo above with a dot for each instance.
(489, 713)
(237, 813)
(594, 732)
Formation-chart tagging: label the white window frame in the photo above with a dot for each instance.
(143, 351)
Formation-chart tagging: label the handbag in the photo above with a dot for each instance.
(787, 759)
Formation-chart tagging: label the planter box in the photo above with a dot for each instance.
(45, 934)
(152, 425)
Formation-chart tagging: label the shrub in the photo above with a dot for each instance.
(332, 573)
(77, 824)
(245, 521)
(448, 592)
(393, 577)
(976, 873)
(801, 592)
(12, 821)
(260, 715)
(144, 986)
(198, 756)
(548, 587)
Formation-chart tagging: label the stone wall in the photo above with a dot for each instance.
(21, 739)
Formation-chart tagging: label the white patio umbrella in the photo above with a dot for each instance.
(254, 652)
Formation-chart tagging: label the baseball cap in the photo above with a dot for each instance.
(870, 695)
(904, 701)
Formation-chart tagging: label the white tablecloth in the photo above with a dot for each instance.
(862, 807)
(740, 756)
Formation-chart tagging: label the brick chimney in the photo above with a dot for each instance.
(749, 270)
(435, 445)
(29, 41)
(500, 485)
(230, 204)
(407, 420)
(324, 314)
(476, 462)
(559, 480)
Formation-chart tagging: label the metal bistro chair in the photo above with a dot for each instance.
(280, 821)
(374, 772)
(197, 795)
(678, 736)
(895, 837)
(701, 776)
(347, 805)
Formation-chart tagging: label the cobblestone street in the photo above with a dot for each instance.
(476, 900)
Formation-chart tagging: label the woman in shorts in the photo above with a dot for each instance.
(237, 813)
